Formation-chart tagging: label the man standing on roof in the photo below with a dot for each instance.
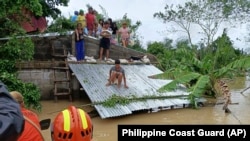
(117, 73)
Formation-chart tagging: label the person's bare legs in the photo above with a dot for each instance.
(123, 43)
(126, 42)
(101, 52)
(107, 54)
(112, 78)
(119, 80)
(90, 32)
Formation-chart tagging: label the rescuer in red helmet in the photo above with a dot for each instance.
(72, 124)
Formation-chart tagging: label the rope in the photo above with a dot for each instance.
(34, 125)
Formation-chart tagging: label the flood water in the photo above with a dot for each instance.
(106, 129)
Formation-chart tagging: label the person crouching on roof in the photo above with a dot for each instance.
(117, 72)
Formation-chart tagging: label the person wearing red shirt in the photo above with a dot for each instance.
(90, 18)
(32, 129)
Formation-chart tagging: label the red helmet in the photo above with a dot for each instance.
(72, 124)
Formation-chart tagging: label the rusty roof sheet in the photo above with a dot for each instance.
(93, 78)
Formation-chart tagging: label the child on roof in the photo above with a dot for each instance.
(117, 72)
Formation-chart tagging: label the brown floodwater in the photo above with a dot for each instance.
(106, 129)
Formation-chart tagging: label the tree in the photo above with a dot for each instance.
(49, 7)
(201, 68)
(12, 11)
(160, 51)
(61, 25)
(17, 47)
(208, 15)
(201, 75)
(170, 56)
(226, 52)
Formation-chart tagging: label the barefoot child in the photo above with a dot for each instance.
(105, 41)
(124, 32)
(117, 72)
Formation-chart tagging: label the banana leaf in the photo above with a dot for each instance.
(182, 79)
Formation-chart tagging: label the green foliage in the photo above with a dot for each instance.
(30, 91)
(237, 66)
(225, 52)
(120, 100)
(182, 78)
(61, 25)
(156, 48)
(133, 32)
(13, 50)
(235, 9)
(114, 100)
(200, 72)
(159, 50)
(49, 7)
(138, 47)
(11, 15)
(17, 47)
(168, 74)
(207, 14)
(7, 66)
(9, 7)
(199, 88)
(9, 27)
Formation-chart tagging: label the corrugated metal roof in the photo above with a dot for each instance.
(93, 78)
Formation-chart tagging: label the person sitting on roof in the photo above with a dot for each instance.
(72, 124)
(117, 73)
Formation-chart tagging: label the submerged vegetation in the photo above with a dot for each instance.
(115, 99)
